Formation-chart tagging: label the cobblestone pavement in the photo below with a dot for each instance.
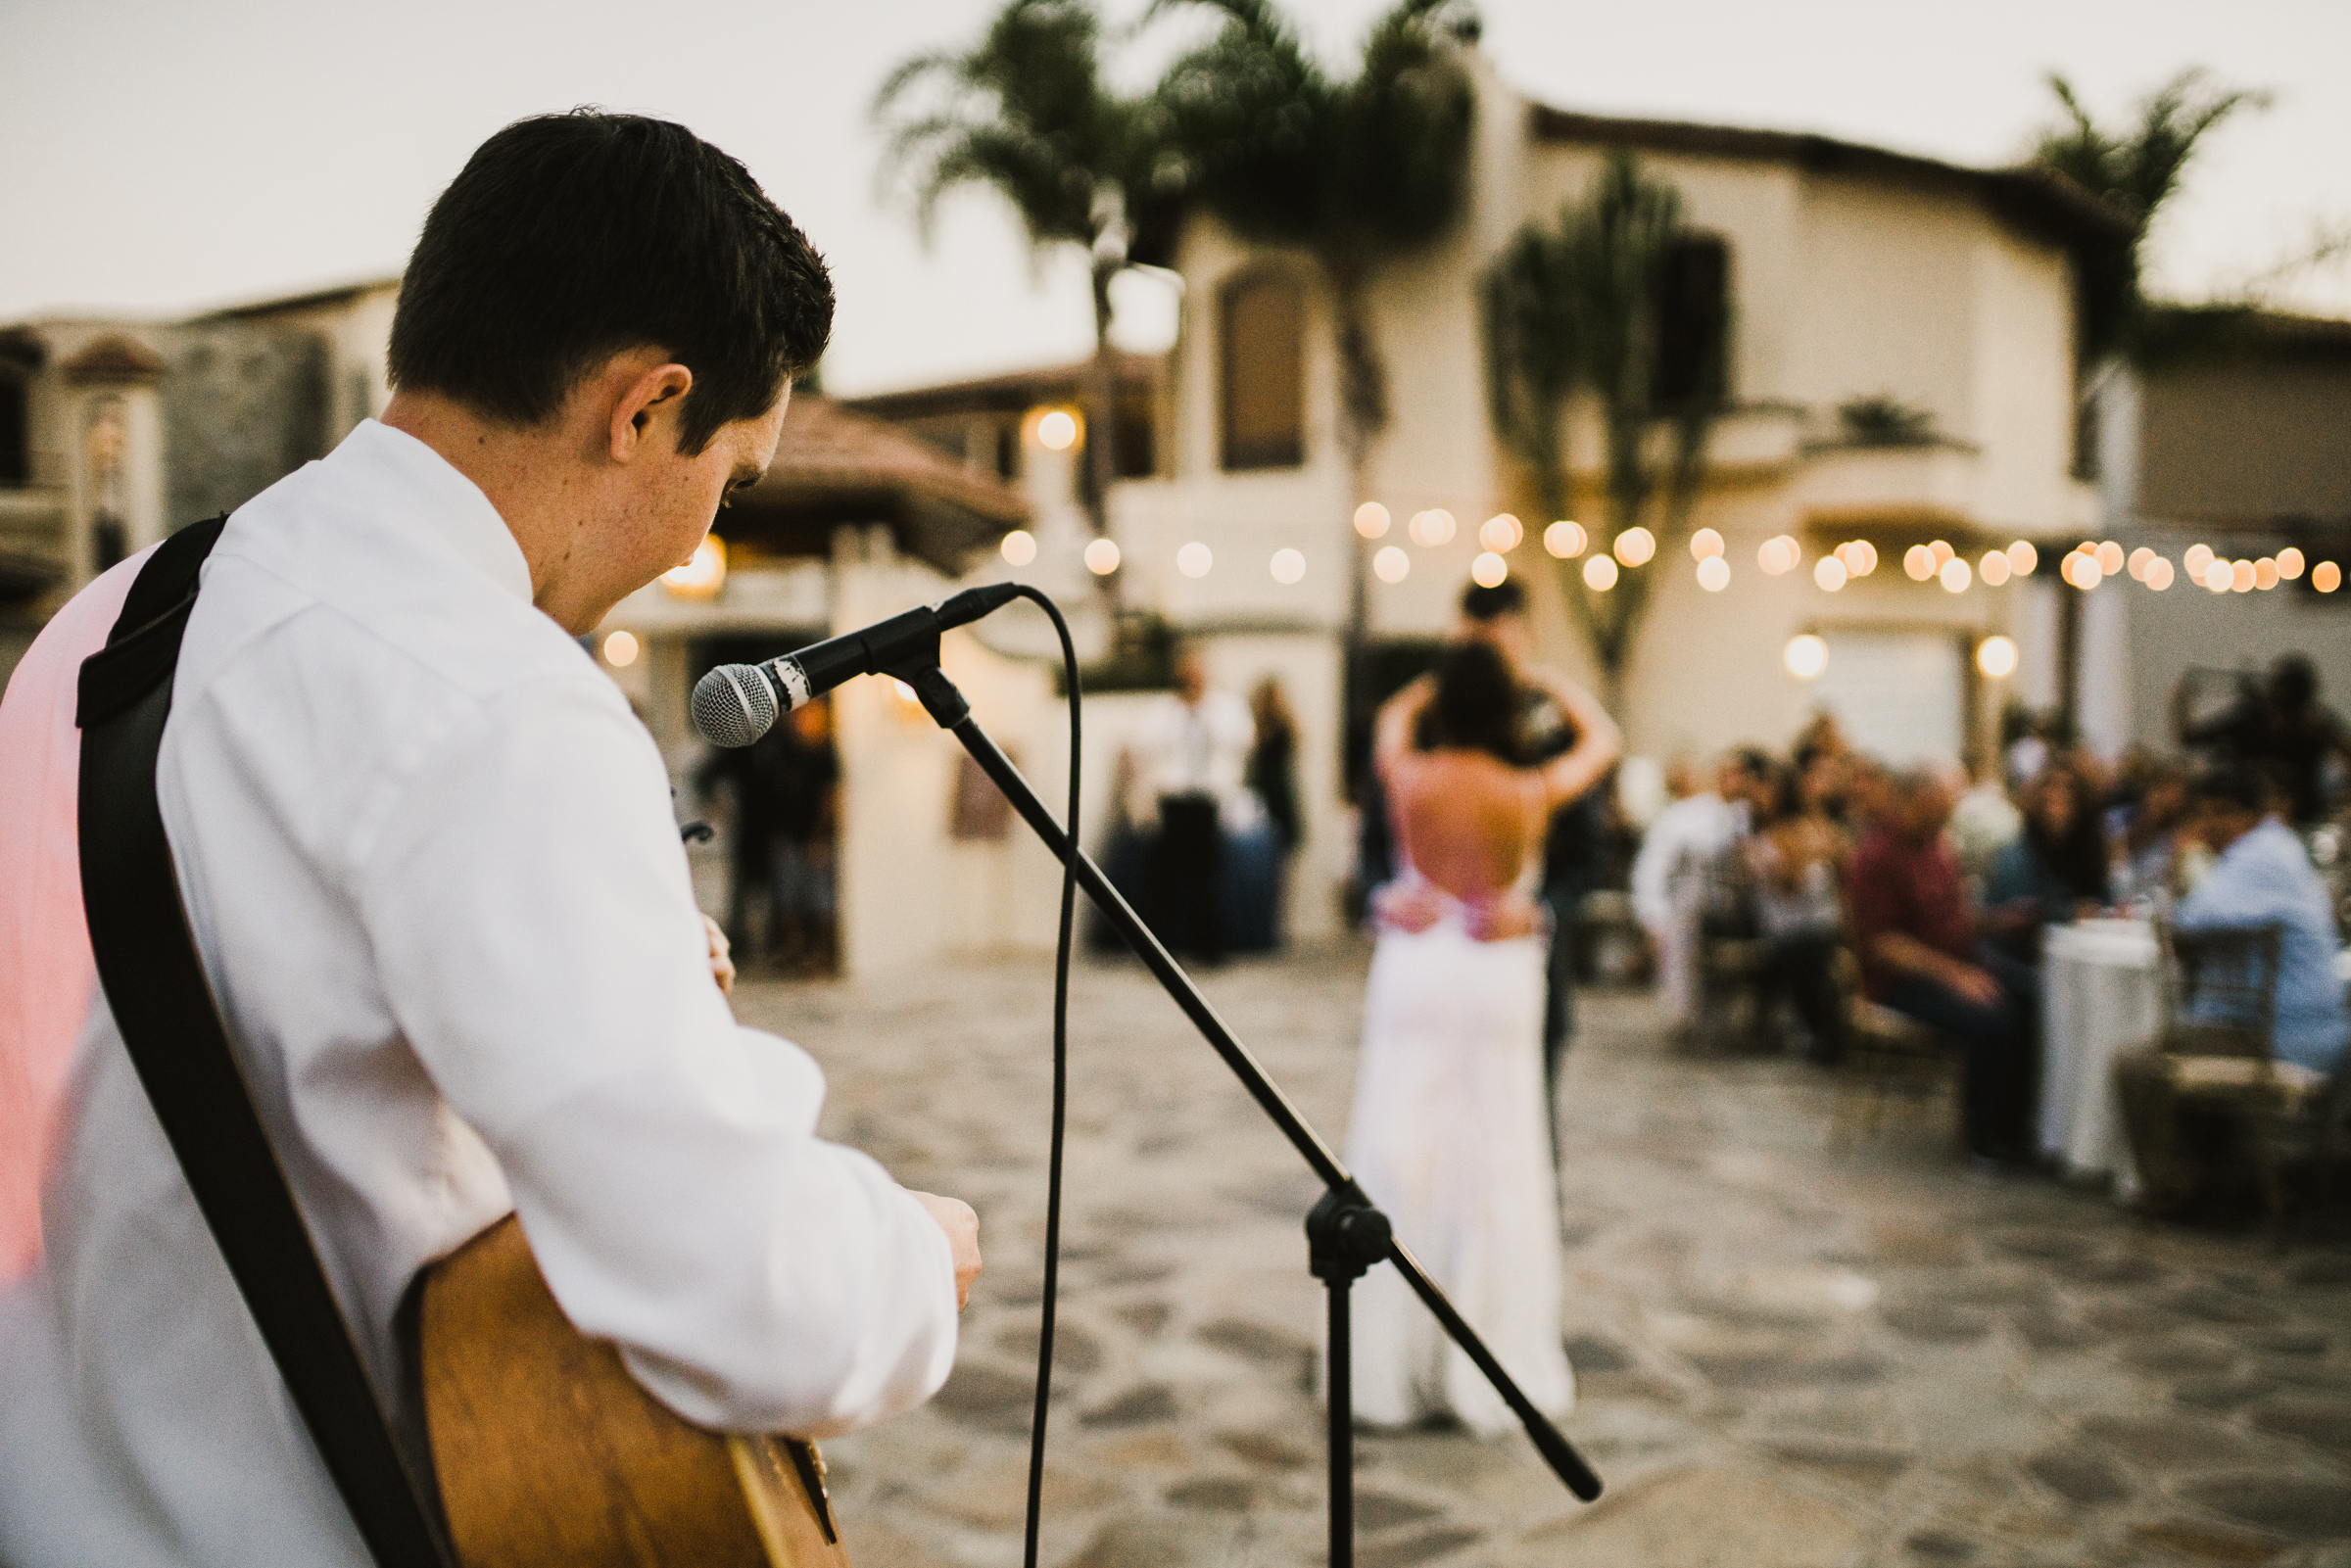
(1788, 1354)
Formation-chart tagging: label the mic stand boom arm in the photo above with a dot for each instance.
(1346, 1234)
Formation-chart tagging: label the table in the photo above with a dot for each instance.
(2101, 994)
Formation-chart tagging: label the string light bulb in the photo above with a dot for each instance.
(1019, 546)
(1391, 564)
(1829, 574)
(1805, 656)
(2021, 557)
(1635, 545)
(1102, 558)
(1289, 566)
(1713, 574)
(1372, 520)
(1992, 568)
(1565, 538)
(2289, 563)
(1995, 656)
(1500, 533)
(2325, 577)
(1705, 546)
(1489, 570)
(1600, 574)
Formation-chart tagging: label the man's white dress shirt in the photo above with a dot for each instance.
(438, 889)
(1202, 748)
(1669, 883)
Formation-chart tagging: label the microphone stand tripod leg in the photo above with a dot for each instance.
(1344, 1237)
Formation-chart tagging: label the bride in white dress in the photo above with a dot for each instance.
(1450, 1134)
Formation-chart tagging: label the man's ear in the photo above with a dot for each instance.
(653, 399)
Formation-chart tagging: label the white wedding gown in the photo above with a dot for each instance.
(1450, 1138)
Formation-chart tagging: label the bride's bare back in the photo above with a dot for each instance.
(1467, 820)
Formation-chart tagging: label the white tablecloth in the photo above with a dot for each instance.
(2101, 995)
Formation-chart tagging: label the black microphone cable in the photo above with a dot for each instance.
(1061, 1085)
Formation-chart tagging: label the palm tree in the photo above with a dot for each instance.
(1352, 171)
(1025, 113)
(1579, 304)
(2137, 168)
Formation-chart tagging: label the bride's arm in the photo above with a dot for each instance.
(1598, 744)
(1399, 716)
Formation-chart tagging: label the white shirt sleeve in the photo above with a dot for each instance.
(536, 933)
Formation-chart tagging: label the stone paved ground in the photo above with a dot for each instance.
(1788, 1355)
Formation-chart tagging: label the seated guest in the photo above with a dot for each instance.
(1920, 957)
(2148, 846)
(2261, 876)
(2051, 871)
(1795, 859)
(1683, 845)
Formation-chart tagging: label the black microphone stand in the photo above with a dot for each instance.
(1346, 1234)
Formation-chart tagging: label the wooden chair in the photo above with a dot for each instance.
(1887, 1055)
(2218, 1047)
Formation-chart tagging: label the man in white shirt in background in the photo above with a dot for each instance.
(1684, 844)
(430, 862)
(1188, 761)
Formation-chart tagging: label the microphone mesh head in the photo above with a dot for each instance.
(734, 705)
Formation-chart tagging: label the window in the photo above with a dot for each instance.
(1136, 450)
(1261, 336)
(16, 436)
(1693, 320)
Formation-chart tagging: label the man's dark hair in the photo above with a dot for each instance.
(2230, 783)
(1483, 604)
(1476, 706)
(570, 238)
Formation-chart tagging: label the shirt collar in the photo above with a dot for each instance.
(452, 504)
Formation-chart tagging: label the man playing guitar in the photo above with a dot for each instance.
(437, 890)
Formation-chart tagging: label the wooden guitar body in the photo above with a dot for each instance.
(550, 1454)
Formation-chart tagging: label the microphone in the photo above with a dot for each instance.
(735, 704)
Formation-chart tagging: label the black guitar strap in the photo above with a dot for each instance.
(164, 1007)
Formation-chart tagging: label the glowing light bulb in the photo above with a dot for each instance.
(2022, 558)
(2265, 574)
(1992, 568)
(1101, 557)
(1777, 555)
(1289, 566)
(1706, 545)
(1713, 574)
(621, 649)
(1600, 574)
(2110, 558)
(2138, 564)
(1500, 533)
(1956, 576)
(1431, 528)
(1942, 552)
(2217, 576)
(1918, 563)
(703, 574)
(1564, 538)
(1391, 564)
(1995, 656)
(2289, 563)
(1489, 570)
(1372, 520)
(1829, 574)
(2158, 574)
(2197, 558)
(1635, 545)
(1058, 431)
(2325, 577)
(1859, 555)
(1194, 559)
(1805, 656)
(1019, 546)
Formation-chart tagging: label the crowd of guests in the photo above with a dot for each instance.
(1942, 888)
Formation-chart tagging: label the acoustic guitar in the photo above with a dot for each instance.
(550, 1455)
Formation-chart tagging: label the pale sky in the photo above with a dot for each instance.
(162, 157)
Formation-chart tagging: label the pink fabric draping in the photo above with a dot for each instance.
(46, 973)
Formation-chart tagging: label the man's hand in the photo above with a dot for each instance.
(1975, 984)
(962, 1226)
(722, 965)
